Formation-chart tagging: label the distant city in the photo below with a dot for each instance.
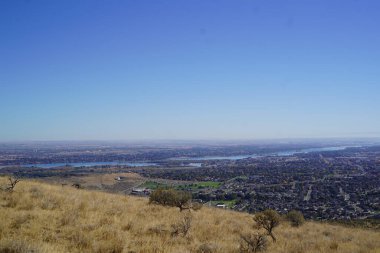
(323, 179)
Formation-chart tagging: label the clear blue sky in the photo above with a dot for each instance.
(194, 69)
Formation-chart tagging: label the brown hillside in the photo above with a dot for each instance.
(50, 218)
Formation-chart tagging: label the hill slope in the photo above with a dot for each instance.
(50, 218)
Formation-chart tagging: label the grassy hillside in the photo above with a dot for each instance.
(50, 218)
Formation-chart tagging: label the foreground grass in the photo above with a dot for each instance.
(49, 218)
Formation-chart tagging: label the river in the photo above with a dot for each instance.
(280, 153)
(89, 164)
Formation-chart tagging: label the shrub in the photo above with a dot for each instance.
(207, 248)
(334, 245)
(268, 220)
(295, 218)
(10, 200)
(160, 196)
(18, 221)
(158, 230)
(252, 243)
(16, 246)
(182, 227)
(36, 193)
(180, 199)
(196, 206)
(12, 183)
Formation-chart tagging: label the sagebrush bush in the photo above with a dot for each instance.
(207, 248)
(196, 206)
(182, 227)
(295, 218)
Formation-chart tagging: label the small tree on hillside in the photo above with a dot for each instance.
(180, 199)
(295, 218)
(160, 196)
(252, 243)
(12, 183)
(268, 220)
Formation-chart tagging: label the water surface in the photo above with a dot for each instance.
(89, 164)
(279, 153)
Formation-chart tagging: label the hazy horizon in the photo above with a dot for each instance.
(189, 70)
(311, 141)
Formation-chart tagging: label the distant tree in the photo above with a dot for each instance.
(295, 218)
(268, 220)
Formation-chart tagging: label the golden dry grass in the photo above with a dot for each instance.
(108, 179)
(96, 179)
(50, 218)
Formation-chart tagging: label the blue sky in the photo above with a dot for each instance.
(195, 69)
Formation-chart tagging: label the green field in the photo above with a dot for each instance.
(195, 186)
(200, 185)
(153, 185)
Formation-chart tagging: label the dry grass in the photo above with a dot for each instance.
(38, 217)
(96, 180)
(109, 179)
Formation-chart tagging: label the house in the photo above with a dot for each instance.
(140, 191)
(221, 205)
